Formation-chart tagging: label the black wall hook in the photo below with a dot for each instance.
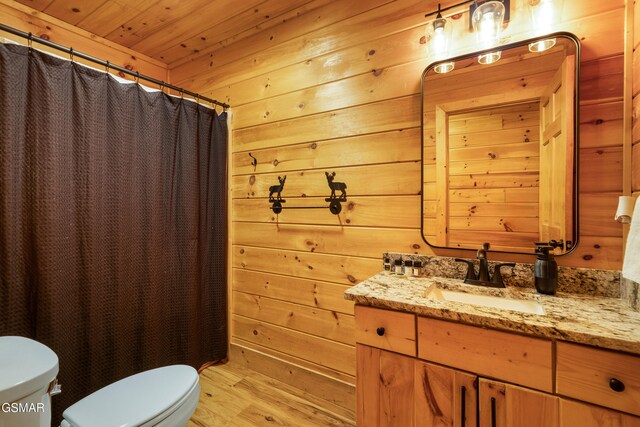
(254, 162)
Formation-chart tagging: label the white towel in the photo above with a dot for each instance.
(631, 266)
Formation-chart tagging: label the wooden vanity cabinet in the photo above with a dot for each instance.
(444, 396)
(586, 415)
(397, 390)
(598, 376)
(386, 329)
(506, 405)
(513, 358)
(466, 376)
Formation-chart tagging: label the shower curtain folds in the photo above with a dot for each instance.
(112, 222)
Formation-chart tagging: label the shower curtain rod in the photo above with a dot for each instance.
(108, 65)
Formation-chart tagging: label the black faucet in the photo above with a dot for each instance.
(483, 278)
(483, 271)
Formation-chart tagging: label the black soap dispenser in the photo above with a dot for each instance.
(546, 271)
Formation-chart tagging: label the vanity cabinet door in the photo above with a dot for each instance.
(586, 415)
(384, 388)
(505, 405)
(444, 396)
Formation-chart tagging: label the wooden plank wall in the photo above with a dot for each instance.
(29, 20)
(338, 89)
(518, 168)
(635, 156)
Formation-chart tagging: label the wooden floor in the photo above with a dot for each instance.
(232, 395)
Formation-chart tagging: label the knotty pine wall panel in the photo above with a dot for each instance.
(338, 89)
(635, 153)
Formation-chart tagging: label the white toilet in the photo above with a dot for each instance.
(28, 370)
(165, 397)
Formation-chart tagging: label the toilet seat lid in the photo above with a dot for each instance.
(134, 400)
(25, 366)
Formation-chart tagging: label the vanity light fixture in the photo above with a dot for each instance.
(542, 45)
(487, 20)
(439, 36)
(544, 14)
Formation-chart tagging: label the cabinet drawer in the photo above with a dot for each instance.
(390, 330)
(574, 413)
(586, 373)
(502, 355)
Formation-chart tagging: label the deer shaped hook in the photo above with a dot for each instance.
(336, 186)
(334, 201)
(277, 201)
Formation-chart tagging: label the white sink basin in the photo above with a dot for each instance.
(523, 306)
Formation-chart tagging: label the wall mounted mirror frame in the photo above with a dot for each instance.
(439, 184)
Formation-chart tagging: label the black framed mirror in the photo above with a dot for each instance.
(500, 147)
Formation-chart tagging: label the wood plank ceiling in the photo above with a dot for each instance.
(171, 30)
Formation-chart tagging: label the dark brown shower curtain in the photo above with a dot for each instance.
(112, 222)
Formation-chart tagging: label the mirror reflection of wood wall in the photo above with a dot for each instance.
(482, 146)
(493, 176)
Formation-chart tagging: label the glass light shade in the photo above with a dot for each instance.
(544, 15)
(489, 58)
(487, 23)
(439, 36)
(542, 45)
(444, 68)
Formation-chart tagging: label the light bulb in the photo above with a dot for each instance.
(439, 43)
(487, 22)
(489, 58)
(443, 68)
(542, 45)
(439, 35)
(544, 15)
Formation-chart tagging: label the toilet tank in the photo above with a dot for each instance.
(27, 368)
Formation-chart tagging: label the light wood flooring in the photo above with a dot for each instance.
(232, 395)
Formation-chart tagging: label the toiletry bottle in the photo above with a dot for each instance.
(408, 268)
(546, 271)
(417, 266)
(386, 263)
(398, 267)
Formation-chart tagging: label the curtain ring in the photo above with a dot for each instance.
(30, 41)
(71, 54)
(138, 77)
(162, 86)
(107, 68)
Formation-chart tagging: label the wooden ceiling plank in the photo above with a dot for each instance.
(72, 11)
(157, 18)
(239, 27)
(42, 25)
(36, 4)
(218, 12)
(111, 14)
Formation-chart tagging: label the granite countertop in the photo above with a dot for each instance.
(594, 320)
